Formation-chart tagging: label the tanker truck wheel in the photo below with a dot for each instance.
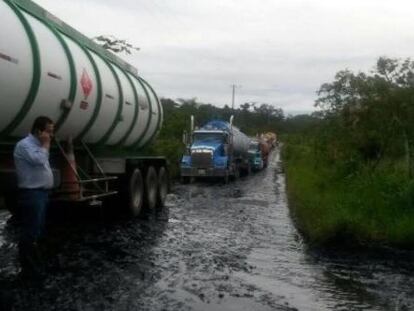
(136, 193)
(226, 178)
(236, 173)
(246, 170)
(249, 170)
(163, 185)
(151, 189)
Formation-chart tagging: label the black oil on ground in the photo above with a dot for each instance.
(216, 247)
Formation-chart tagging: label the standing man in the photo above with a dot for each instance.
(35, 179)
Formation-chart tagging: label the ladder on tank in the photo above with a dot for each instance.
(77, 185)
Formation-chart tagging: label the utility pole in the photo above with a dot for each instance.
(233, 86)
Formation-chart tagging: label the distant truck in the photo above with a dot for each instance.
(96, 99)
(270, 138)
(259, 150)
(217, 149)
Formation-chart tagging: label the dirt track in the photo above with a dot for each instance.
(217, 247)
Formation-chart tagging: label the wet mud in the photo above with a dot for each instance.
(214, 247)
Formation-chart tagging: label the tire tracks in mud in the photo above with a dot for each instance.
(214, 230)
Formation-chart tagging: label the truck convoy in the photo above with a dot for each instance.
(96, 99)
(217, 149)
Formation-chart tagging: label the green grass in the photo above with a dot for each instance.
(358, 208)
(173, 150)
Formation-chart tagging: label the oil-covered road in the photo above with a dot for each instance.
(218, 247)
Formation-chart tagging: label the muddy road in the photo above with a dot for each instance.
(217, 247)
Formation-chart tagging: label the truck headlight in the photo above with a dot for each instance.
(202, 150)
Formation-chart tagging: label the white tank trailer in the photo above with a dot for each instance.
(239, 141)
(95, 98)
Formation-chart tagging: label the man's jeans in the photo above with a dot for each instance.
(33, 203)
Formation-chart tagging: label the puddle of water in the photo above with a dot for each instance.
(173, 220)
(233, 304)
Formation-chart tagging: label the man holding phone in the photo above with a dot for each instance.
(35, 179)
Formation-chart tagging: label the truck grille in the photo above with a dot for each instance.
(201, 159)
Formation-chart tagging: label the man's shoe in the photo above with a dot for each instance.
(31, 262)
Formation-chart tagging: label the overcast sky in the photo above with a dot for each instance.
(277, 51)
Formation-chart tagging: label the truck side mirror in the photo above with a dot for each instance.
(226, 149)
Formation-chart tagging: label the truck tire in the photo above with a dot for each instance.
(135, 193)
(249, 170)
(151, 188)
(226, 179)
(163, 185)
(236, 173)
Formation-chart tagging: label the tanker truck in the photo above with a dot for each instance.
(259, 151)
(270, 138)
(97, 101)
(217, 149)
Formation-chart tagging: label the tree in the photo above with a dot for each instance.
(371, 112)
(114, 44)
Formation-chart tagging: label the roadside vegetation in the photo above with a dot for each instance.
(350, 170)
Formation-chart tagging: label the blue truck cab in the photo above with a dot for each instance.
(218, 149)
(255, 156)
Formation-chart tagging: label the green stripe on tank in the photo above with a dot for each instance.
(98, 97)
(135, 118)
(105, 138)
(157, 129)
(72, 68)
(136, 144)
(35, 10)
(34, 88)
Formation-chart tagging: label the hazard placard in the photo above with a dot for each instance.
(86, 83)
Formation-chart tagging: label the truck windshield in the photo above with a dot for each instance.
(208, 137)
(254, 146)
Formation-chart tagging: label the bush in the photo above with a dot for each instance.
(367, 206)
